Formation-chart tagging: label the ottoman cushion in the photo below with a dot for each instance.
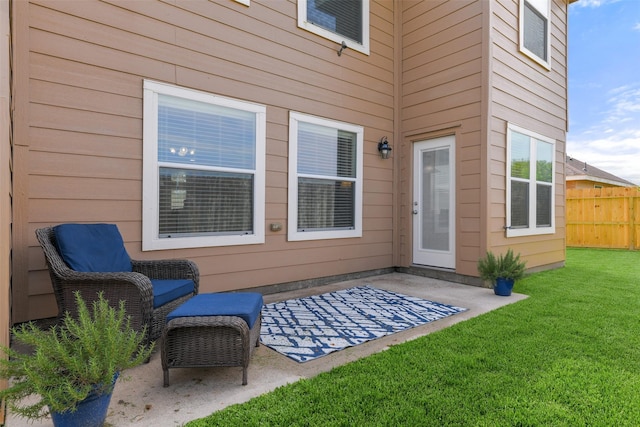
(246, 305)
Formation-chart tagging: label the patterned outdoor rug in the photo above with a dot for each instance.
(307, 328)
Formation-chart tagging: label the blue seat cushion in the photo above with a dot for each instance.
(92, 247)
(166, 290)
(246, 305)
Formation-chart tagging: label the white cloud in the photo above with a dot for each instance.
(625, 104)
(594, 3)
(612, 143)
(637, 27)
(617, 153)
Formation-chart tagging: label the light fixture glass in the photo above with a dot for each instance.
(384, 148)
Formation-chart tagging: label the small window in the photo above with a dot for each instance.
(204, 173)
(535, 30)
(337, 20)
(530, 183)
(325, 178)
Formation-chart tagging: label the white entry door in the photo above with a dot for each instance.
(434, 202)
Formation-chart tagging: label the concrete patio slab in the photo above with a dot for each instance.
(196, 393)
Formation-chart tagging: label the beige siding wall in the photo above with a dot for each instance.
(80, 155)
(442, 94)
(528, 95)
(436, 68)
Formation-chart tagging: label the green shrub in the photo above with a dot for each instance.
(71, 360)
(507, 266)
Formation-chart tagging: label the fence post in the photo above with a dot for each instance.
(632, 223)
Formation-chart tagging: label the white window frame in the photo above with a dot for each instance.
(293, 233)
(544, 8)
(151, 166)
(533, 229)
(338, 38)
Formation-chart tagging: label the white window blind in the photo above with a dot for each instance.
(535, 31)
(327, 202)
(535, 16)
(342, 17)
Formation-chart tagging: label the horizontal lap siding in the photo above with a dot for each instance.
(86, 64)
(528, 95)
(442, 93)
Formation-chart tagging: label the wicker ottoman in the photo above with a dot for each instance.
(221, 329)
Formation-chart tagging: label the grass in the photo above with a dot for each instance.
(569, 355)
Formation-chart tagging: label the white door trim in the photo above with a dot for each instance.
(442, 255)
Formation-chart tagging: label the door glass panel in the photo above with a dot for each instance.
(435, 200)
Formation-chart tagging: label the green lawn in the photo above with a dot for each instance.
(569, 355)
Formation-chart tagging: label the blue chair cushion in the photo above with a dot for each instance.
(166, 290)
(246, 305)
(92, 247)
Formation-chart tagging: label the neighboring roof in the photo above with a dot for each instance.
(578, 170)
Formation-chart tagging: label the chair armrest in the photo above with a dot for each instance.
(168, 269)
(133, 288)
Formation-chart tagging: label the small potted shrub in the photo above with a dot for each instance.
(501, 271)
(73, 367)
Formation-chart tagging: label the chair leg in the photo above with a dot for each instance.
(166, 378)
(244, 375)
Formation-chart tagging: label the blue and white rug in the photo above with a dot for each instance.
(306, 328)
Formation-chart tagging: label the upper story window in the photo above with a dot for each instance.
(535, 24)
(325, 178)
(203, 169)
(530, 183)
(337, 20)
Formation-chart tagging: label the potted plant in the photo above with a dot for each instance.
(73, 367)
(501, 271)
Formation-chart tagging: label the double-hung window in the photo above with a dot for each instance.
(338, 20)
(325, 178)
(530, 183)
(203, 169)
(535, 24)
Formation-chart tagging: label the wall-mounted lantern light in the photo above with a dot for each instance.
(384, 148)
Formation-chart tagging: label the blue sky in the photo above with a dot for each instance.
(604, 85)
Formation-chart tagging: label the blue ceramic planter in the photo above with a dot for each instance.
(503, 287)
(91, 412)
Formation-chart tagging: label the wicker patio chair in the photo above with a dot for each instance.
(133, 287)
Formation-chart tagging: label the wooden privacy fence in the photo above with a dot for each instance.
(604, 217)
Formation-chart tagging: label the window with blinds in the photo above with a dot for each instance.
(325, 192)
(337, 20)
(530, 183)
(535, 30)
(204, 169)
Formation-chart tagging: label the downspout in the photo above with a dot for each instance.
(563, 165)
(399, 145)
(486, 119)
